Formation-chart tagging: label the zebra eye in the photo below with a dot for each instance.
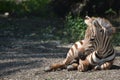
(101, 30)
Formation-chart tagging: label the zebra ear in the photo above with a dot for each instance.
(88, 21)
(108, 26)
(87, 17)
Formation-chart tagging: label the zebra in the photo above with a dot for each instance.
(100, 54)
(94, 52)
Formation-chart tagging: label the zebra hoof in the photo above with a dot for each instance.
(47, 69)
(70, 68)
(96, 68)
(81, 69)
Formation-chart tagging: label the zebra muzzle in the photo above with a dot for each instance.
(82, 56)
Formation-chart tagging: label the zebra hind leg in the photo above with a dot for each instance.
(104, 66)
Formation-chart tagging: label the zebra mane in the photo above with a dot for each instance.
(107, 25)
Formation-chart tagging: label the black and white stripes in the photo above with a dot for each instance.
(103, 50)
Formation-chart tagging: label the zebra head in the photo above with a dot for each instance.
(97, 24)
(98, 34)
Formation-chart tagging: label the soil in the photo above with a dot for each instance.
(22, 59)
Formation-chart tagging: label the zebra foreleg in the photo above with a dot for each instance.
(72, 54)
(61, 65)
(83, 65)
(73, 65)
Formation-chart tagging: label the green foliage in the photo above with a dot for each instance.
(116, 39)
(110, 11)
(38, 7)
(74, 28)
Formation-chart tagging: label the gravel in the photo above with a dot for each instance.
(26, 60)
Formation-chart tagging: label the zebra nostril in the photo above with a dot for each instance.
(92, 39)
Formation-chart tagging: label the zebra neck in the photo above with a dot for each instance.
(104, 45)
(103, 52)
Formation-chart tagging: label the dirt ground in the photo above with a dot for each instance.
(22, 59)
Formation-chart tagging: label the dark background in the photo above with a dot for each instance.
(54, 19)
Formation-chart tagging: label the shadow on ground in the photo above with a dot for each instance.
(17, 55)
(115, 67)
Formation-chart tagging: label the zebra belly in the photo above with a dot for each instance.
(94, 60)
